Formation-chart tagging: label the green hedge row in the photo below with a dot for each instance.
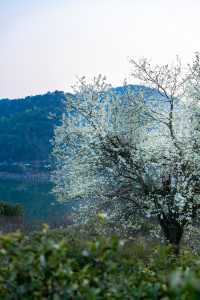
(55, 265)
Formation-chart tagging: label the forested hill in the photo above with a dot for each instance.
(26, 127)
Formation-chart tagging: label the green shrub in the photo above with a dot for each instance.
(53, 264)
(10, 210)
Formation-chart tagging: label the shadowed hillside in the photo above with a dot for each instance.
(26, 128)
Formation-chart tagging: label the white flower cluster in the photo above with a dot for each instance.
(140, 153)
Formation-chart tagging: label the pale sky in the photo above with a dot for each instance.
(45, 44)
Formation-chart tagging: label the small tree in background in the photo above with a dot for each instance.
(135, 153)
(11, 210)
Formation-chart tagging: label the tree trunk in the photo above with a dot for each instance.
(173, 232)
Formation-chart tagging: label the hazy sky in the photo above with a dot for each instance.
(45, 44)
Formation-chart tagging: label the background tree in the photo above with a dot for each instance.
(133, 151)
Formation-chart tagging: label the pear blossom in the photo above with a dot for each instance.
(124, 153)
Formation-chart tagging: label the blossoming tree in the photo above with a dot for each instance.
(135, 153)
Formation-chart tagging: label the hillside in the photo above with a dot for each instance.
(26, 129)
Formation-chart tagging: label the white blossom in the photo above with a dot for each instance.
(124, 152)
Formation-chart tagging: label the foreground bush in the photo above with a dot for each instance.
(56, 265)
